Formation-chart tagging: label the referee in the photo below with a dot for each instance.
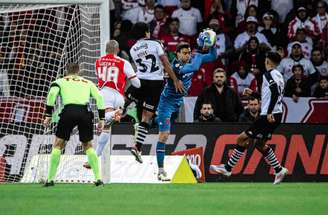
(75, 92)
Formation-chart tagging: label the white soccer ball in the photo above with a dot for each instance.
(212, 37)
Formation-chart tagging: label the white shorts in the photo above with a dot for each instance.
(112, 98)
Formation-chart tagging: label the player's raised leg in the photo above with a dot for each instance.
(225, 169)
(141, 131)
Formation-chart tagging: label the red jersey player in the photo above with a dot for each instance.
(112, 72)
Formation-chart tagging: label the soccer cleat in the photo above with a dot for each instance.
(280, 175)
(136, 153)
(220, 169)
(86, 165)
(162, 176)
(49, 184)
(99, 183)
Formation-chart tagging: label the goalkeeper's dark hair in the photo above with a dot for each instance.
(139, 30)
(274, 57)
(182, 45)
(72, 68)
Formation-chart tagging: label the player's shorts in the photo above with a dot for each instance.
(262, 129)
(112, 98)
(147, 96)
(166, 107)
(75, 115)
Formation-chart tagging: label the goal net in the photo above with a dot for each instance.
(37, 42)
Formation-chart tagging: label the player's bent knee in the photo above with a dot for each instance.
(242, 139)
(59, 143)
(163, 136)
(147, 116)
(87, 145)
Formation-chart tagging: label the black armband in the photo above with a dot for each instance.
(101, 114)
(49, 110)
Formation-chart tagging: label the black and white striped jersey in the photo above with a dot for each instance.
(272, 92)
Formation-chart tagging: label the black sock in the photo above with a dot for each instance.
(236, 154)
(140, 134)
(271, 159)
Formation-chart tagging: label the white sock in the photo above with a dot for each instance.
(102, 141)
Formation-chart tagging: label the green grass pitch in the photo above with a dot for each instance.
(166, 199)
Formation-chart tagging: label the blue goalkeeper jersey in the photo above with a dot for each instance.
(184, 72)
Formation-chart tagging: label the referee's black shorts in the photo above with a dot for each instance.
(147, 96)
(262, 128)
(75, 115)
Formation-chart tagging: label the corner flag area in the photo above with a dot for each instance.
(209, 198)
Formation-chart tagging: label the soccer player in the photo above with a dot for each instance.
(112, 72)
(151, 62)
(261, 130)
(170, 101)
(75, 92)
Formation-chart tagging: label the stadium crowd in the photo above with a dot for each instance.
(246, 30)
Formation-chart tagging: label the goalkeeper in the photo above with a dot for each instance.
(75, 92)
(170, 101)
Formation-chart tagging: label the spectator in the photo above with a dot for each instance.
(129, 11)
(322, 89)
(216, 11)
(207, 114)
(271, 32)
(302, 21)
(321, 19)
(252, 111)
(189, 17)
(239, 8)
(251, 10)
(223, 42)
(226, 102)
(296, 57)
(242, 79)
(172, 38)
(305, 41)
(297, 86)
(157, 25)
(169, 5)
(319, 63)
(146, 13)
(242, 39)
(282, 7)
(254, 58)
(122, 37)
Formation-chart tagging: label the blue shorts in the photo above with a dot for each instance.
(166, 107)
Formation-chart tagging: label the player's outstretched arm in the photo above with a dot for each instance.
(210, 56)
(198, 60)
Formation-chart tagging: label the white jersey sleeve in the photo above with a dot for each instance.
(128, 70)
(130, 74)
(146, 55)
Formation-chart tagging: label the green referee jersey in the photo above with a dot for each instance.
(74, 89)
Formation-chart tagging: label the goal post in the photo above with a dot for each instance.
(103, 13)
(38, 39)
